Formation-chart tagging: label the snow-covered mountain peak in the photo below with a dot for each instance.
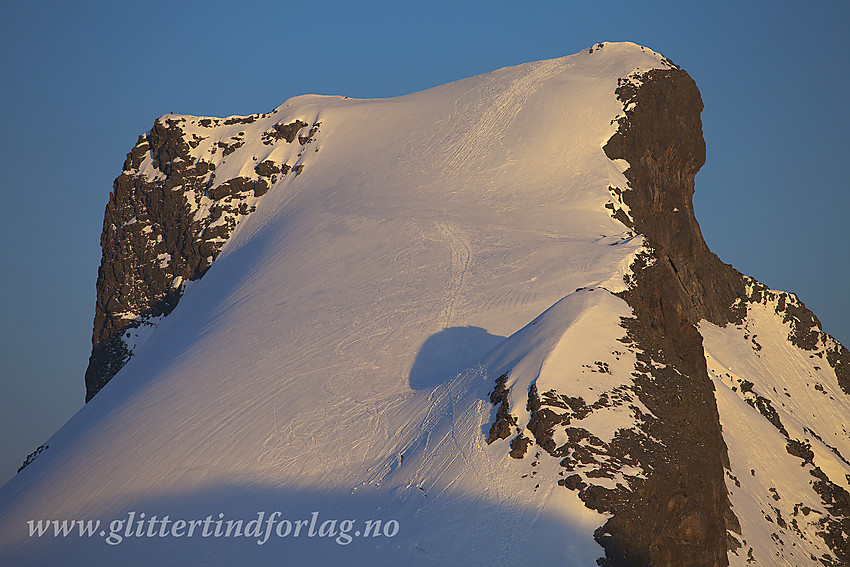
(483, 311)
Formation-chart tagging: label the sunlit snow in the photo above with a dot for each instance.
(339, 354)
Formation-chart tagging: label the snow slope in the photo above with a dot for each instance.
(335, 356)
(784, 421)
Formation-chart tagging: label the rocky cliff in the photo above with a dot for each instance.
(681, 284)
(168, 216)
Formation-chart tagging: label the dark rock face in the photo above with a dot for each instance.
(680, 514)
(286, 132)
(145, 223)
(836, 526)
(165, 226)
(501, 428)
(661, 138)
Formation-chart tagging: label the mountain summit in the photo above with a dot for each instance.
(479, 322)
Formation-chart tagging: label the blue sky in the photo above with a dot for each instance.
(82, 80)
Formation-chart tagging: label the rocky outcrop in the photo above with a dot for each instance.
(166, 221)
(32, 456)
(501, 428)
(680, 514)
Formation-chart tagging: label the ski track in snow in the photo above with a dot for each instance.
(492, 114)
(460, 257)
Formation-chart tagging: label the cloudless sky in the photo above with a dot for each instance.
(81, 80)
